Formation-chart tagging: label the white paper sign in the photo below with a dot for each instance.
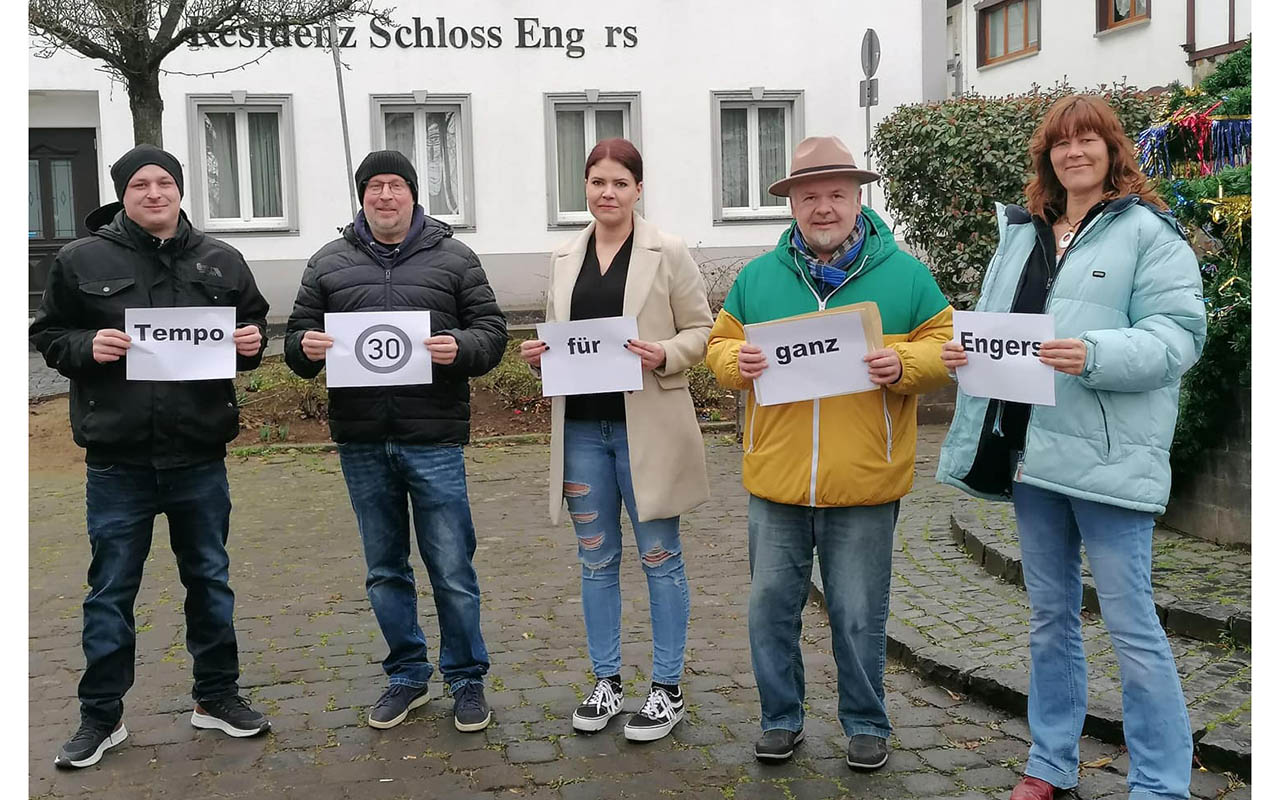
(191, 343)
(378, 348)
(818, 356)
(1004, 356)
(589, 356)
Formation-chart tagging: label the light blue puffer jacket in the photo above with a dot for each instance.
(1130, 288)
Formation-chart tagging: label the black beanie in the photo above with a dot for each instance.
(139, 157)
(386, 162)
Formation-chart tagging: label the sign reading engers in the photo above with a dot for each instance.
(180, 344)
(816, 355)
(589, 356)
(1004, 356)
(378, 348)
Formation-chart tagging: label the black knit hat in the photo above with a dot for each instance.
(386, 162)
(139, 157)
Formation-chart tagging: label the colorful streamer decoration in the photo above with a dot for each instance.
(1232, 142)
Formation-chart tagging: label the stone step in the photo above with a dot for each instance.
(1202, 590)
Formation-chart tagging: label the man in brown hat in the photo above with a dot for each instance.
(829, 473)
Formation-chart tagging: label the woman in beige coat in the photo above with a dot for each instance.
(640, 448)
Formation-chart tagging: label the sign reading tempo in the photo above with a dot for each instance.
(527, 33)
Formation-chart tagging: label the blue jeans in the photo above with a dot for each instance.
(384, 479)
(855, 555)
(1051, 528)
(121, 504)
(597, 481)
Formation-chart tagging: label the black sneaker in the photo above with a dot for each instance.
(395, 704)
(777, 744)
(867, 751)
(89, 743)
(603, 705)
(470, 710)
(232, 715)
(659, 715)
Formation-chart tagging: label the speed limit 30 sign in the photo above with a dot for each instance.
(378, 348)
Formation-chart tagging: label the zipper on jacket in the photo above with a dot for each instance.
(997, 427)
(751, 427)
(387, 292)
(888, 425)
(813, 466)
(1106, 429)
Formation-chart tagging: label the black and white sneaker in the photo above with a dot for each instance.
(604, 704)
(232, 715)
(659, 715)
(470, 710)
(395, 704)
(89, 743)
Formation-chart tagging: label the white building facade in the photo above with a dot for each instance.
(497, 102)
(998, 47)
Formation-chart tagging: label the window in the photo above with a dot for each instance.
(434, 132)
(575, 123)
(1118, 13)
(244, 170)
(1007, 30)
(753, 134)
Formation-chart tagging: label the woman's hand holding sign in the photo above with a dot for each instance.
(1064, 355)
(652, 355)
(953, 356)
(531, 351)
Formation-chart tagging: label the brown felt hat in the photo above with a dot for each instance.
(819, 157)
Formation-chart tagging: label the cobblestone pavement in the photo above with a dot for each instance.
(310, 651)
(43, 381)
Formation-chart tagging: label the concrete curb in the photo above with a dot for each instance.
(516, 438)
(1203, 622)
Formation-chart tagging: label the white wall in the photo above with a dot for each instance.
(1145, 54)
(685, 50)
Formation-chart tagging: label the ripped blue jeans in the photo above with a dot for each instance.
(597, 481)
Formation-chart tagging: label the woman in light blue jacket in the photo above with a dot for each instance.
(1096, 248)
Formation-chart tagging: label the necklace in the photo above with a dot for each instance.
(1064, 241)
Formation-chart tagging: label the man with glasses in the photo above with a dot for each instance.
(401, 446)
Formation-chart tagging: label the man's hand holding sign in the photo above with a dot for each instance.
(1010, 356)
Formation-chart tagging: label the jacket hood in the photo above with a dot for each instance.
(877, 249)
(433, 232)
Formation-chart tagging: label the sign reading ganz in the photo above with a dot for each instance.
(378, 348)
(526, 33)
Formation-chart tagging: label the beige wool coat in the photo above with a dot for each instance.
(665, 293)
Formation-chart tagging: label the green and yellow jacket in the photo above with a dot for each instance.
(856, 449)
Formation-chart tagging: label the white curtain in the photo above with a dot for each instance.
(571, 159)
(1016, 39)
(221, 167)
(264, 164)
(609, 125)
(1122, 10)
(773, 153)
(400, 132)
(35, 211)
(734, 176)
(442, 163)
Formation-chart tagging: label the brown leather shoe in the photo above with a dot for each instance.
(1030, 788)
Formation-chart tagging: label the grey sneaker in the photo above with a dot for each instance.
(470, 709)
(395, 704)
(86, 747)
(232, 715)
(778, 744)
(867, 751)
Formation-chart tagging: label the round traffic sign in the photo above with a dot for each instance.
(870, 52)
(383, 349)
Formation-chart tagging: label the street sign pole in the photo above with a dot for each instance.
(869, 89)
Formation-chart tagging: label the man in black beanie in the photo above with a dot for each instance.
(401, 446)
(151, 447)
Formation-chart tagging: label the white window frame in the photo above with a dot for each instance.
(591, 101)
(420, 103)
(792, 103)
(241, 104)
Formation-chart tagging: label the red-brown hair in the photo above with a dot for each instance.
(620, 150)
(1046, 197)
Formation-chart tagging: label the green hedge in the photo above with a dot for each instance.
(947, 164)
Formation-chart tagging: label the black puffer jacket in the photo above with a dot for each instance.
(433, 272)
(163, 424)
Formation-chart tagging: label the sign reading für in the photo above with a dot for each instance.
(191, 343)
(589, 356)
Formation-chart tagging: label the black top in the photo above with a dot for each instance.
(434, 272)
(596, 296)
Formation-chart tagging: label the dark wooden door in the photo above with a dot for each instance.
(62, 188)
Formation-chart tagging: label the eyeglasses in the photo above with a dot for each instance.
(398, 188)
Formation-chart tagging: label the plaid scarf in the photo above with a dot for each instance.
(829, 275)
